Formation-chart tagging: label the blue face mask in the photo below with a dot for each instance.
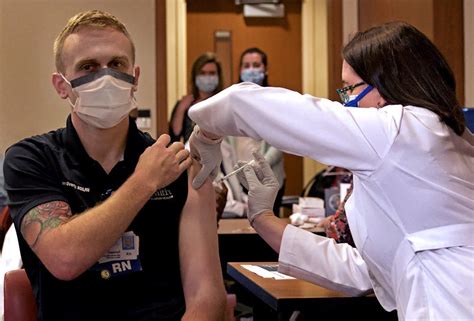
(252, 75)
(354, 99)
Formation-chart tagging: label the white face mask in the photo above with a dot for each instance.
(103, 98)
(207, 83)
(252, 75)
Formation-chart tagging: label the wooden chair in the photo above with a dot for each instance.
(19, 301)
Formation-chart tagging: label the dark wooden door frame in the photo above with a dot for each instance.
(161, 111)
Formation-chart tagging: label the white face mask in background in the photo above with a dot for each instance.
(207, 83)
(103, 98)
(252, 75)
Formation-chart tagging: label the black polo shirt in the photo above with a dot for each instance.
(56, 167)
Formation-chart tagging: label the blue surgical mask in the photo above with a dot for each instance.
(252, 75)
(207, 83)
(354, 99)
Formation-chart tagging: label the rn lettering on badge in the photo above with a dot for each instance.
(121, 266)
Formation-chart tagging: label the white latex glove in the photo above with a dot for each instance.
(207, 152)
(262, 187)
(240, 175)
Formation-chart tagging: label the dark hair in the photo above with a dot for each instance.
(205, 58)
(262, 54)
(407, 69)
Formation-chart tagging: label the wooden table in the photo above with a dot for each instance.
(277, 299)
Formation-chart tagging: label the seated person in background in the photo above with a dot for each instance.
(253, 67)
(206, 80)
(108, 228)
(236, 201)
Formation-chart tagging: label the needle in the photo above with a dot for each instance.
(237, 170)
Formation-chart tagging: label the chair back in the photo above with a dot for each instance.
(19, 301)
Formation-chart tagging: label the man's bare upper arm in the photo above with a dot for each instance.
(201, 273)
(43, 218)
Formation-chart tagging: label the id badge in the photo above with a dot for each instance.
(121, 259)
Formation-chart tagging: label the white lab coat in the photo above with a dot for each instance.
(411, 212)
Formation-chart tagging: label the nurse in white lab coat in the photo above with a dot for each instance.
(412, 208)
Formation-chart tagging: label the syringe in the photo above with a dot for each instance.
(237, 170)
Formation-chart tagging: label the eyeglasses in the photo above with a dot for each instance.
(342, 92)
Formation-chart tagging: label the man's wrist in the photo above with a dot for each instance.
(146, 185)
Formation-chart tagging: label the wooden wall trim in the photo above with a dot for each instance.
(161, 73)
(468, 52)
(448, 26)
(335, 40)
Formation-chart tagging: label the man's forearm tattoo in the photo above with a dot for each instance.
(42, 218)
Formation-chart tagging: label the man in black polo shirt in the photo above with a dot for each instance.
(109, 228)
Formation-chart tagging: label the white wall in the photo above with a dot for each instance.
(28, 103)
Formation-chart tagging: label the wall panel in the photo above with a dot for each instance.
(439, 20)
(29, 104)
(448, 35)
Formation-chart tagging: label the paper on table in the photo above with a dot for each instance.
(265, 273)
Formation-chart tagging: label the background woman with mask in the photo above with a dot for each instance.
(253, 68)
(412, 160)
(206, 80)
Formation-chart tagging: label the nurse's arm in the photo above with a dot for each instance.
(320, 260)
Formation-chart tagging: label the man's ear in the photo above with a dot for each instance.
(60, 85)
(137, 75)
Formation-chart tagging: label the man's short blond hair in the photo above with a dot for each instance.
(92, 18)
